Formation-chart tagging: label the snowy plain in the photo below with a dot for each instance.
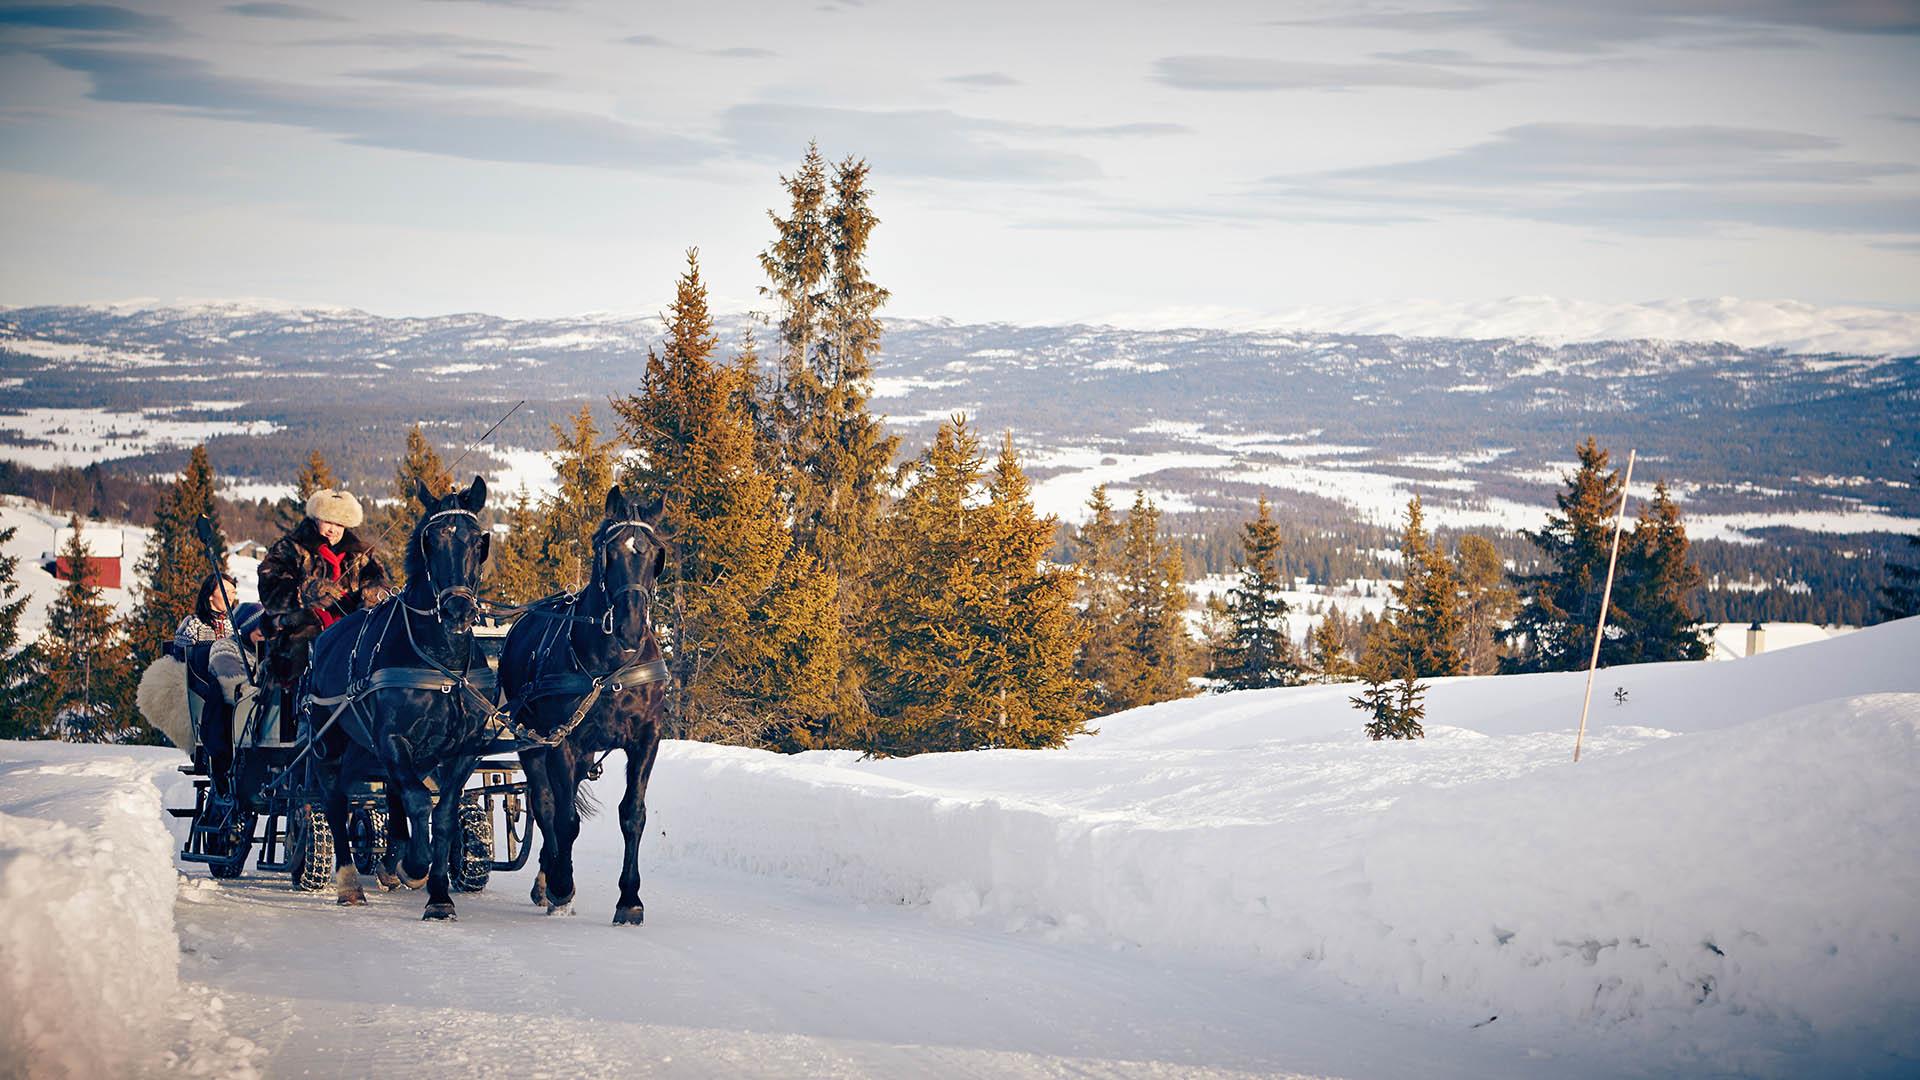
(1230, 885)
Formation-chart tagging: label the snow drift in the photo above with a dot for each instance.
(88, 959)
(1742, 843)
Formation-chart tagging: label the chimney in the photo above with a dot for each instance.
(1756, 639)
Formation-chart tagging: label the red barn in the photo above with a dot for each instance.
(105, 550)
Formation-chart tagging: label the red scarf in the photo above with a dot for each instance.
(333, 559)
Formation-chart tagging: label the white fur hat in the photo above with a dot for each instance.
(339, 507)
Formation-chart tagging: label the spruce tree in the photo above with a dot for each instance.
(1900, 595)
(1260, 652)
(1654, 582)
(1421, 631)
(584, 464)
(1327, 649)
(1154, 600)
(837, 458)
(1034, 634)
(699, 454)
(1486, 602)
(420, 464)
(13, 658)
(80, 682)
(975, 639)
(175, 562)
(1394, 708)
(1553, 628)
(1105, 664)
(314, 475)
(517, 571)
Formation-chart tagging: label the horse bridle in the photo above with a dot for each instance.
(609, 595)
(440, 594)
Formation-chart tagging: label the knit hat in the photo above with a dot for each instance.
(338, 507)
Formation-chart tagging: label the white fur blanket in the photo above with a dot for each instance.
(162, 698)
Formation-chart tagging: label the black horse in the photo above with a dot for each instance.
(395, 678)
(584, 672)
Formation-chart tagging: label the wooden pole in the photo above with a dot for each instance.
(1606, 598)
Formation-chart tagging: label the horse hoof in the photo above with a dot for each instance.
(560, 909)
(539, 892)
(439, 913)
(630, 916)
(411, 882)
(389, 880)
(346, 888)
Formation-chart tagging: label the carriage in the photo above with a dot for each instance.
(271, 804)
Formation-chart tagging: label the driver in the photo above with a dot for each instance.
(319, 571)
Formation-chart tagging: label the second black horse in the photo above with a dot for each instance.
(585, 675)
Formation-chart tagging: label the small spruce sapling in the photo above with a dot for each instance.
(1396, 708)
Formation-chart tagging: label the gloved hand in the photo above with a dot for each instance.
(319, 592)
(232, 685)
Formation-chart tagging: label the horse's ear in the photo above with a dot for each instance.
(422, 493)
(650, 512)
(475, 497)
(617, 507)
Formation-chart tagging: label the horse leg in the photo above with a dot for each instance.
(446, 815)
(563, 776)
(346, 880)
(388, 872)
(416, 863)
(633, 824)
(540, 794)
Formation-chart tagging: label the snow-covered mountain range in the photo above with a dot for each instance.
(1330, 422)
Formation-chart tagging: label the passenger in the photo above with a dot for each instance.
(311, 577)
(208, 622)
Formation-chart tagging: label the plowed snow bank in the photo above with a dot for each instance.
(88, 959)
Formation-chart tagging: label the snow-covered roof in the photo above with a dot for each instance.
(103, 541)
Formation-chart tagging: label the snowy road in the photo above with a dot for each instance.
(741, 976)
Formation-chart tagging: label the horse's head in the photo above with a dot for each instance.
(447, 550)
(628, 558)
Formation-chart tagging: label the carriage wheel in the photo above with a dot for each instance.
(473, 848)
(234, 841)
(372, 845)
(309, 849)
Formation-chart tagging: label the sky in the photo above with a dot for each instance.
(1032, 162)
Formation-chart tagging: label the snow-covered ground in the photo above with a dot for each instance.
(47, 438)
(1232, 885)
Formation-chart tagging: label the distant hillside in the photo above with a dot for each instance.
(1335, 425)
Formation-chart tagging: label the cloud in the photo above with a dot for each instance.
(474, 130)
(1905, 247)
(927, 142)
(296, 12)
(1633, 154)
(1581, 26)
(1244, 73)
(409, 40)
(742, 52)
(983, 78)
(1632, 179)
(650, 41)
(478, 75)
(92, 18)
